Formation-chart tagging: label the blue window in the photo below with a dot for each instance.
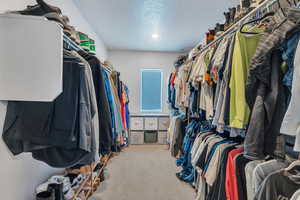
(151, 90)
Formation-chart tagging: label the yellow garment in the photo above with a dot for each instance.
(244, 49)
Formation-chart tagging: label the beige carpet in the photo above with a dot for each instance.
(145, 172)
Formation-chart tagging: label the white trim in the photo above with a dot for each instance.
(161, 89)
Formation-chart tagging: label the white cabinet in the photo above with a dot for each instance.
(163, 123)
(31, 58)
(151, 123)
(145, 127)
(137, 123)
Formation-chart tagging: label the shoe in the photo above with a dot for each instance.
(238, 13)
(98, 167)
(245, 4)
(56, 17)
(227, 19)
(66, 19)
(102, 177)
(77, 181)
(48, 8)
(104, 159)
(47, 195)
(58, 190)
(67, 190)
(219, 27)
(35, 10)
(232, 14)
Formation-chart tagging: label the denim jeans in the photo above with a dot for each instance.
(192, 129)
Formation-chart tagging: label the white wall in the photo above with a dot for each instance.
(129, 64)
(68, 8)
(20, 175)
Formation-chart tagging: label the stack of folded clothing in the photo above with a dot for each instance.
(87, 43)
(56, 188)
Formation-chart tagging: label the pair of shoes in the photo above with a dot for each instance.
(76, 180)
(54, 192)
(46, 195)
(104, 159)
(63, 21)
(245, 4)
(56, 182)
(40, 9)
(84, 170)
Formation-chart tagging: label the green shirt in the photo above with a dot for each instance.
(244, 49)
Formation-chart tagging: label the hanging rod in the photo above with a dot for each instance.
(267, 4)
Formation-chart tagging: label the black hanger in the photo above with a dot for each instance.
(256, 20)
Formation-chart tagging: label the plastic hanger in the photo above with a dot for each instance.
(270, 14)
(293, 165)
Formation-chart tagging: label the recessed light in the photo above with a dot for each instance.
(154, 36)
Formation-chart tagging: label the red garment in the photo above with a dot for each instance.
(231, 183)
(174, 74)
(123, 113)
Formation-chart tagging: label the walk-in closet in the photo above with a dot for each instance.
(150, 100)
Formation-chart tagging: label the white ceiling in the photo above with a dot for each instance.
(129, 24)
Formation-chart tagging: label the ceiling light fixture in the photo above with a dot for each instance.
(154, 36)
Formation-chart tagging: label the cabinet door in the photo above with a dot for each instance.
(137, 123)
(162, 137)
(163, 123)
(151, 123)
(137, 137)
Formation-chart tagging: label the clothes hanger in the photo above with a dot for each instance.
(270, 14)
(293, 165)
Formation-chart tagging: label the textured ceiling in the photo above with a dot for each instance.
(129, 24)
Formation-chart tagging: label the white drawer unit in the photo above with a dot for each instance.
(151, 123)
(162, 137)
(137, 137)
(144, 127)
(137, 123)
(163, 123)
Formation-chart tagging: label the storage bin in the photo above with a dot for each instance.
(150, 137)
(137, 123)
(151, 124)
(163, 123)
(162, 137)
(137, 137)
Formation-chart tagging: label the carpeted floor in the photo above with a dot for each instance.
(145, 172)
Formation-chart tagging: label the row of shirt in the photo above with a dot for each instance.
(87, 120)
(235, 110)
(247, 84)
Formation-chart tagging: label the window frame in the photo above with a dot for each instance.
(141, 90)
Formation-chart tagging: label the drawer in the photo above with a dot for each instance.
(151, 124)
(162, 134)
(163, 123)
(137, 123)
(162, 138)
(137, 137)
